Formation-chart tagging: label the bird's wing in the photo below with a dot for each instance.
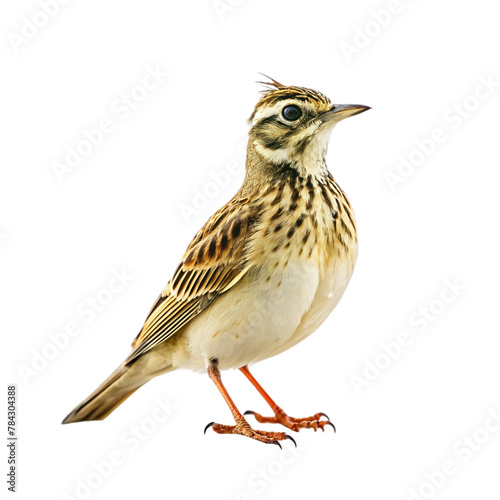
(213, 263)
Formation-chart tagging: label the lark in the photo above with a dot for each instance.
(261, 275)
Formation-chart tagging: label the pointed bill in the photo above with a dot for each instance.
(341, 111)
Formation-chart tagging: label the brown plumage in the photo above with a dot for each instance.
(265, 270)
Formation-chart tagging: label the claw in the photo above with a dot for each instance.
(278, 443)
(249, 412)
(291, 439)
(324, 415)
(329, 423)
(208, 425)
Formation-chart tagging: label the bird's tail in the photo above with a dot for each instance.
(122, 383)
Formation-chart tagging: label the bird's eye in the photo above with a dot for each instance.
(291, 113)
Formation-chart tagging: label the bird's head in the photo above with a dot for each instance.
(292, 125)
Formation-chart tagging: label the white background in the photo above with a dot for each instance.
(124, 208)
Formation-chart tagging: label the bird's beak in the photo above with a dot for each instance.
(341, 111)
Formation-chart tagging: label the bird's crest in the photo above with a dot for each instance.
(270, 85)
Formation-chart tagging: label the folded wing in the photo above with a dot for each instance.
(215, 261)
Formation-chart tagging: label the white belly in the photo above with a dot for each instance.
(264, 314)
(329, 292)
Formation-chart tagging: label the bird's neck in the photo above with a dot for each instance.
(264, 165)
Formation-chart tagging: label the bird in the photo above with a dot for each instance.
(261, 275)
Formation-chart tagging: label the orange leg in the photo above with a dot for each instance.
(280, 417)
(242, 427)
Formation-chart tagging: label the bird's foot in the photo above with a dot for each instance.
(295, 424)
(243, 428)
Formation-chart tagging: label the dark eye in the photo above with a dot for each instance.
(291, 113)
